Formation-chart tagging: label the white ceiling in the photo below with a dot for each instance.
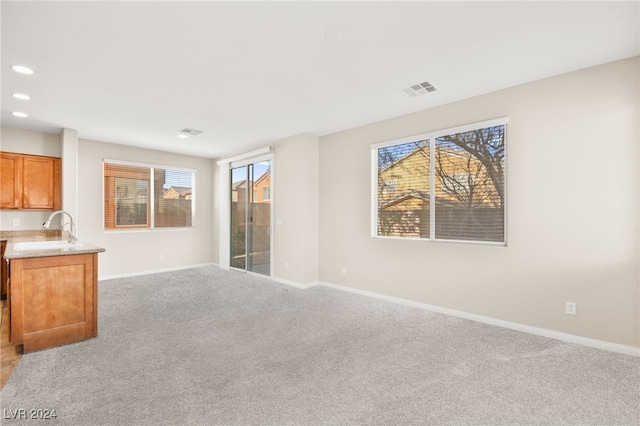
(247, 74)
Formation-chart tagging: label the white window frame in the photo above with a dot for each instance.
(431, 137)
(151, 226)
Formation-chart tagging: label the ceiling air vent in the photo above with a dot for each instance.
(419, 89)
(189, 132)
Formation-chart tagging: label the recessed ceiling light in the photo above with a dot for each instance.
(183, 136)
(22, 96)
(20, 114)
(22, 69)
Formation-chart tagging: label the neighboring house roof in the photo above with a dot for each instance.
(405, 182)
(239, 184)
(420, 195)
(181, 191)
(264, 176)
(404, 158)
(447, 149)
(243, 183)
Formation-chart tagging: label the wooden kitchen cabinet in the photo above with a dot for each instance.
(3, 268)
(54, 300)
(31, 182)
(41, 183)
(11, 183)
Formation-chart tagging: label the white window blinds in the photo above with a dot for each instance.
(145, 196)
(447, 185)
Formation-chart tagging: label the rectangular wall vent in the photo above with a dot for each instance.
(189, 132)
(419, 89)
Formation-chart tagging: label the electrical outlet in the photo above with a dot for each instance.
(16, 222)
(286, 265)
(344, 270)
(571, 308)
(161, 256)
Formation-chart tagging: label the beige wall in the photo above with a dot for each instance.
(30, 142)
(137, 252)
(34, 143)
(296, 198)
(572, 210)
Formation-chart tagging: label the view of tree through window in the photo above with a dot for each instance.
(443, 186)
(403, 190)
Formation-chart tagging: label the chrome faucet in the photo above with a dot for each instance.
(72, 226)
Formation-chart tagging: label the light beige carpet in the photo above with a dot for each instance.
(205, 346)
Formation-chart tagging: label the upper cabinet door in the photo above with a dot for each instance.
(11, 178)
(41, 183)
(30, 182)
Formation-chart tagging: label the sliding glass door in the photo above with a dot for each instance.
(251, 217)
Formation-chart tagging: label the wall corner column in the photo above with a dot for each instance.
(69, 150)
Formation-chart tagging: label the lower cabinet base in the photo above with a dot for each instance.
(56, 337)
(54, 300)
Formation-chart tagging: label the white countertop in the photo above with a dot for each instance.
(14, 251)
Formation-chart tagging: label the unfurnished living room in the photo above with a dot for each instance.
(320, 213)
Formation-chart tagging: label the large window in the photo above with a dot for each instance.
(447, 185)
(139, 196)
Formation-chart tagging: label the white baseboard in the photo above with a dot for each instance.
(584, 341)
(153, 271)
(296, 284)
